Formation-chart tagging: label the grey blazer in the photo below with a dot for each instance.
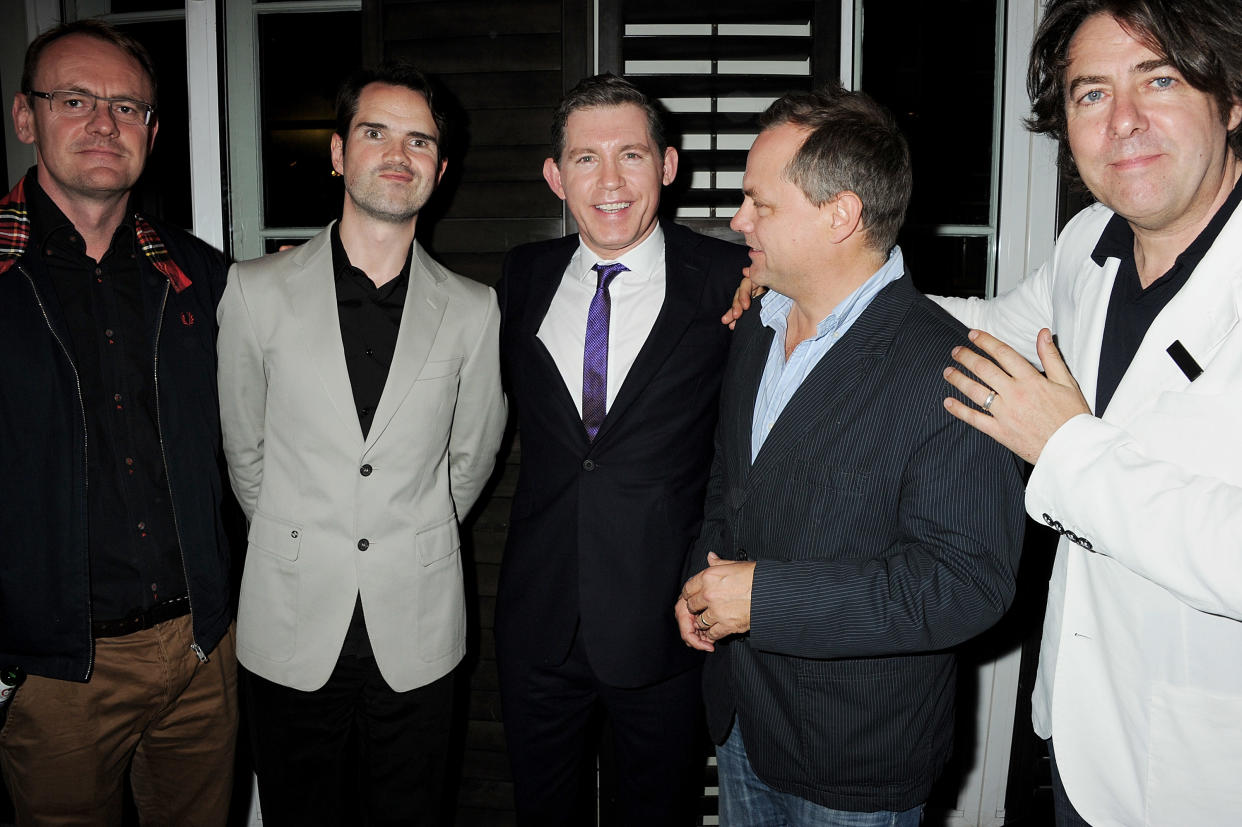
(333, 515)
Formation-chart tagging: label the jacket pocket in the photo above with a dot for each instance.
(438, 541)
(267, 610)
(280, 537)
(1193, 759)
(439, 369)
(441, 591)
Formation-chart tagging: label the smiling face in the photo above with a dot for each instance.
(391, 162)
(788, 236)
(87, 158)
(610, 176)
(1146, 143)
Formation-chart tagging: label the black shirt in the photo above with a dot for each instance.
(370, 319)
(135, 556)
(1131, 308)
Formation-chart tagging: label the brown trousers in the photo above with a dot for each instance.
(150, 707)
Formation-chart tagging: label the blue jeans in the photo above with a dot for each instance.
(745, 801)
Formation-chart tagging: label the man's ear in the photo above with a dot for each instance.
(338, 155)
(670, 165)
(844, 215)
(552, 174)
(153, 128)
(23, 119)
(440, 174)
(1235, 116)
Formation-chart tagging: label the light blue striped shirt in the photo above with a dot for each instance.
(781, 378)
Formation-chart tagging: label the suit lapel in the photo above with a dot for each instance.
(312, 300)
(832, 383)
(685, 278)
(421, 318)
(545, 276)
(749, 354)
(1200, 316)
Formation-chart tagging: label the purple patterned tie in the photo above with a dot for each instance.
(595, 355)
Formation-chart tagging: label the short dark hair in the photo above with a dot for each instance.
(1200, 38)
(605, 90)
(90, 28)
(391, 73)
(854, 146)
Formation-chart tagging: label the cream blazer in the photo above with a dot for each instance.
(1140, 672)
(333, 515)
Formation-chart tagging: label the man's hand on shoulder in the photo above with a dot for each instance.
(746, 290)
(1022, 408)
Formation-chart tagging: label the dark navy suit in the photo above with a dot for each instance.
(600, 530)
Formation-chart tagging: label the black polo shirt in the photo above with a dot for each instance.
(1132, 309)
(370, 319)
(135, 556)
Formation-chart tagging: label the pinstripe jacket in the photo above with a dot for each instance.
(885, 532)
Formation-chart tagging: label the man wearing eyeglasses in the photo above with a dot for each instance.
(114, 589)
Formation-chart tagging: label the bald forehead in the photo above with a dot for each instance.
(77, 61)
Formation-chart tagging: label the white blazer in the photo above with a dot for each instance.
(333, 515)
(1140, 672)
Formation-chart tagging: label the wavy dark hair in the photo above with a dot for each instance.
(854, 145)
(1202, 39)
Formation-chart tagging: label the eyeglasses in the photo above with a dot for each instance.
(73, 104)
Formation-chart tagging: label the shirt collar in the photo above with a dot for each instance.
(343, 268)
(645, 262)
(1117, 239)
(52, 225)
(774, 307)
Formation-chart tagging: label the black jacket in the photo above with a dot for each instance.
(600, 530)
(45, 601)
(884, 531)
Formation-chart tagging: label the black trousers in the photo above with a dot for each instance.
(351, 752)
(653, 772)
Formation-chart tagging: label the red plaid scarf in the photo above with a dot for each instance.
(15, 238)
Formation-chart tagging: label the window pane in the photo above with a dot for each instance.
(126, 6)
(164, 190)
(303, 60)
(945, 265)
(934, 65)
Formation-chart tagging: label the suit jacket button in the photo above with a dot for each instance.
(741, 554)
(364, 544)
(365, 470)
(588, 465)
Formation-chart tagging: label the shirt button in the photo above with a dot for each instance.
(108, 332)
(364, 544)
(99, 271)
(588, 465)
(365, 470)
(370, 352)
(363, 411)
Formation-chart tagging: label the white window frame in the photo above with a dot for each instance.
(249, 229)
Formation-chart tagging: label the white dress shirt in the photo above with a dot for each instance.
(637, 296)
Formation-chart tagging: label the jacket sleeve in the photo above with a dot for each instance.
(948, 576)
(1173, 526)
(243, 393)
(479, 418)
